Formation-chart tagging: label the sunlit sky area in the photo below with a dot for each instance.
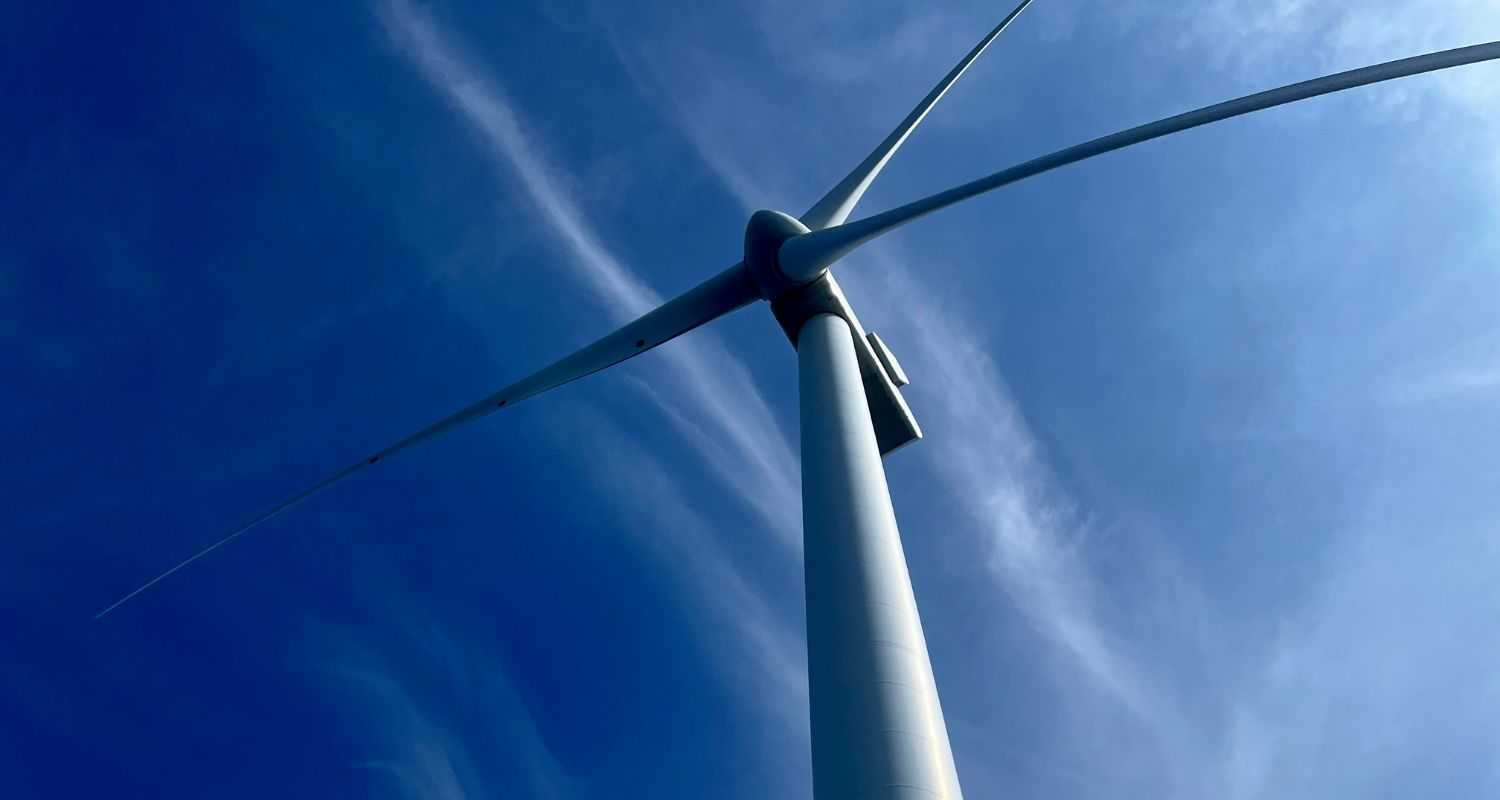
(1207, 503)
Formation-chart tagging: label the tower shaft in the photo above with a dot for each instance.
(877, 725)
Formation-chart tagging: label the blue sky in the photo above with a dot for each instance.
(1206, 505)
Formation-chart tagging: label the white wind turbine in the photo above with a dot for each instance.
(877, 725)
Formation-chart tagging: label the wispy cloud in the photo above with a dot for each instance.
(765, 654)
(993, 470)
(1445, 385)
(1284, 39)
(1250, 38)
(1382, 679)
(418, 752)
(718, 386)
(725, 420)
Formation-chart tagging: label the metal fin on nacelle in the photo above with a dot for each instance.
(888, 360)
(895, 425)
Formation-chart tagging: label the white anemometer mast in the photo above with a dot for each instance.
(877, 725)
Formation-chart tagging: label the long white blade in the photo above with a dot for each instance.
(804, 257)
(838, 204)
(719, 295)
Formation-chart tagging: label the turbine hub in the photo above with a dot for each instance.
(764, 235)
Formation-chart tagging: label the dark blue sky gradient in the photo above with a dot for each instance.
(1206, 502)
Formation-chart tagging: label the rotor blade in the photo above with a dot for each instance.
(719, 295)
(836, 206)
(804, 257)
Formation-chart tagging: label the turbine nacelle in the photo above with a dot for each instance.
(765, 233)
(795, 300)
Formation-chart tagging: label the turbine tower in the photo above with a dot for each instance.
(877, 724)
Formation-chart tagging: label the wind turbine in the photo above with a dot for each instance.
(877, 725)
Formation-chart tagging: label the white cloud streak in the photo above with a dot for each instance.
(993, 471)
(766, 655)
(421, 753)
(725, 420)
(1284, 39)
(1384, 677)
(719, 387)
(1448, 385)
